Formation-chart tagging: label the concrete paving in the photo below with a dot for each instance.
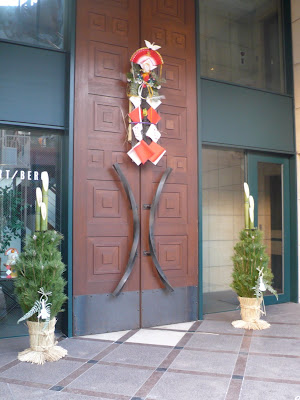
(196, 360)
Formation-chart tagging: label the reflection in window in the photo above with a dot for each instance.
(222, 220)
(270, 217)
(23, 156)
(241, 42)
(37, 22)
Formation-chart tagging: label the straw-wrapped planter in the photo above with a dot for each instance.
(42, 344)
(250, 313)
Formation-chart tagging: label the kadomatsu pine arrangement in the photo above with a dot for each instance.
(251, 276)
(250, 261)
(40, 266)
(39, 285)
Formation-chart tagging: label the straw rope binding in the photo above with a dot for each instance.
(250, 312)
(42, 344)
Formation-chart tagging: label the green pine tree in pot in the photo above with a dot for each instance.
(40, 285)
(251, 276)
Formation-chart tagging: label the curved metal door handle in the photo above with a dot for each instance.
(154, 204)
(136, 231)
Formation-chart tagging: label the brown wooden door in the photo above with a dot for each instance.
(170, 24)
(107, 33)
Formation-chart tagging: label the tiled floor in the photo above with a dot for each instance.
(196, 360)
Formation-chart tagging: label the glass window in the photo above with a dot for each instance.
(37, 22)
(241, 42)
(222, 220)
(270, 217)
(23, 156)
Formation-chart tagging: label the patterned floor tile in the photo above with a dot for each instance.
(14, 344)
(219, 327)
(49, 373)
(175, 386)
(275, 346)
(112, 336)
(220, 363)
(83, 348)
(156, 337)
(6, 358)
(112, 379)
(137, 354)
(252, 390)
(183, 326)
(273, 367)
(279, 330)
(215, 342)
(17, 392)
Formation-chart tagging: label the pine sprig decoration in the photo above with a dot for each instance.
(34, 310)
(258, 292)
(135, 79)
(40, 265)
(250, 254)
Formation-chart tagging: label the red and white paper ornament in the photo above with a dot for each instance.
(148, 59)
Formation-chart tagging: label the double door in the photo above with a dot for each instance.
(121, 280)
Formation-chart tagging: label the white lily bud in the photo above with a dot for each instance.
(39, 196)
(251, 214)
(246, 190)
(45, 180)
(44, 211)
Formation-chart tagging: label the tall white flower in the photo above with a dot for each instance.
(246, 190)
(44, 211)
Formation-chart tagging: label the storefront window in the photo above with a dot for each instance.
(37, 22)
(241, 42)
(23, 156)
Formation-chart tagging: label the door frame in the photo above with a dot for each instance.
(252, 162)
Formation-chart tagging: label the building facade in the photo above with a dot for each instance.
(149, 245)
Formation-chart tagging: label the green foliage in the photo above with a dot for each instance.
(40, 266)
(10, 216)
(249, 254)
(135, 79)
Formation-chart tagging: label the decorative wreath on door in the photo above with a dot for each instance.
(144, 99)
